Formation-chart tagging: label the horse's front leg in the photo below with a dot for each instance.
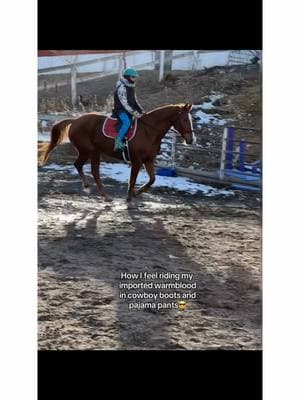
(135, 167)
(149, 166)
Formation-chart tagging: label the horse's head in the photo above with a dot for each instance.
(183, 123)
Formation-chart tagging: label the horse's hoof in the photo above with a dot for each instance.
(131, 205)
(108, 199)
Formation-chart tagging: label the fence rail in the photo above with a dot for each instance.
(117, 56)
(103, 68)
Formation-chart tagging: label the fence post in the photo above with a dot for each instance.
(73, 85)
(195, 60)
(223, 153)
(168, 61)
(156, 60)
(124, 59)
(153, 60)
(120, 65)
(161, 65)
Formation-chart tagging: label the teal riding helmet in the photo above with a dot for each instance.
(130, 72)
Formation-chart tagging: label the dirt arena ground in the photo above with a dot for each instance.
(85, 244)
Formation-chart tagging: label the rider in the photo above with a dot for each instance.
(125, 105)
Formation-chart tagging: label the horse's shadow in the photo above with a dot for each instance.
(136, 240)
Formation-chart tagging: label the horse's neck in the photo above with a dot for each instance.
(161, 120)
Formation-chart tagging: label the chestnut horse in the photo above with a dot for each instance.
(85, 133)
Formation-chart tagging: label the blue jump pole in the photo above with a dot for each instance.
(229, 149)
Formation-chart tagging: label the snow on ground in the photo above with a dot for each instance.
(207, 105)
(120, 172)
(209, 118)
(165, 148)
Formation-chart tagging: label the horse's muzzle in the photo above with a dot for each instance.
(190, 138)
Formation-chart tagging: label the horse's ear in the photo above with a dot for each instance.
(188, 107)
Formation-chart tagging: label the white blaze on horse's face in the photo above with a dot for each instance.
(191, 122)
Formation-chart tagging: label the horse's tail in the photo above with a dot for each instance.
(59, 133)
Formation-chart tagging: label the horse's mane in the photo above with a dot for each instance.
(179, 105)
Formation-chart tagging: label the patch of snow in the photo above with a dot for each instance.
(120, 172)
(209, 118)
(163, 156)
(207, 105)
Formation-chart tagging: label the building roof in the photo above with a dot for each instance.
(49, 53)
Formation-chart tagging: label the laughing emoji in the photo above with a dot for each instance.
(181, 305)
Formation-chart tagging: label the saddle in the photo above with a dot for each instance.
(110, 128)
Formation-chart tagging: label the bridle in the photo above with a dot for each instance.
(184, 132)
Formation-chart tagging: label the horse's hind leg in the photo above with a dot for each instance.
(95, 163)
(151, 172)
(81, 160)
